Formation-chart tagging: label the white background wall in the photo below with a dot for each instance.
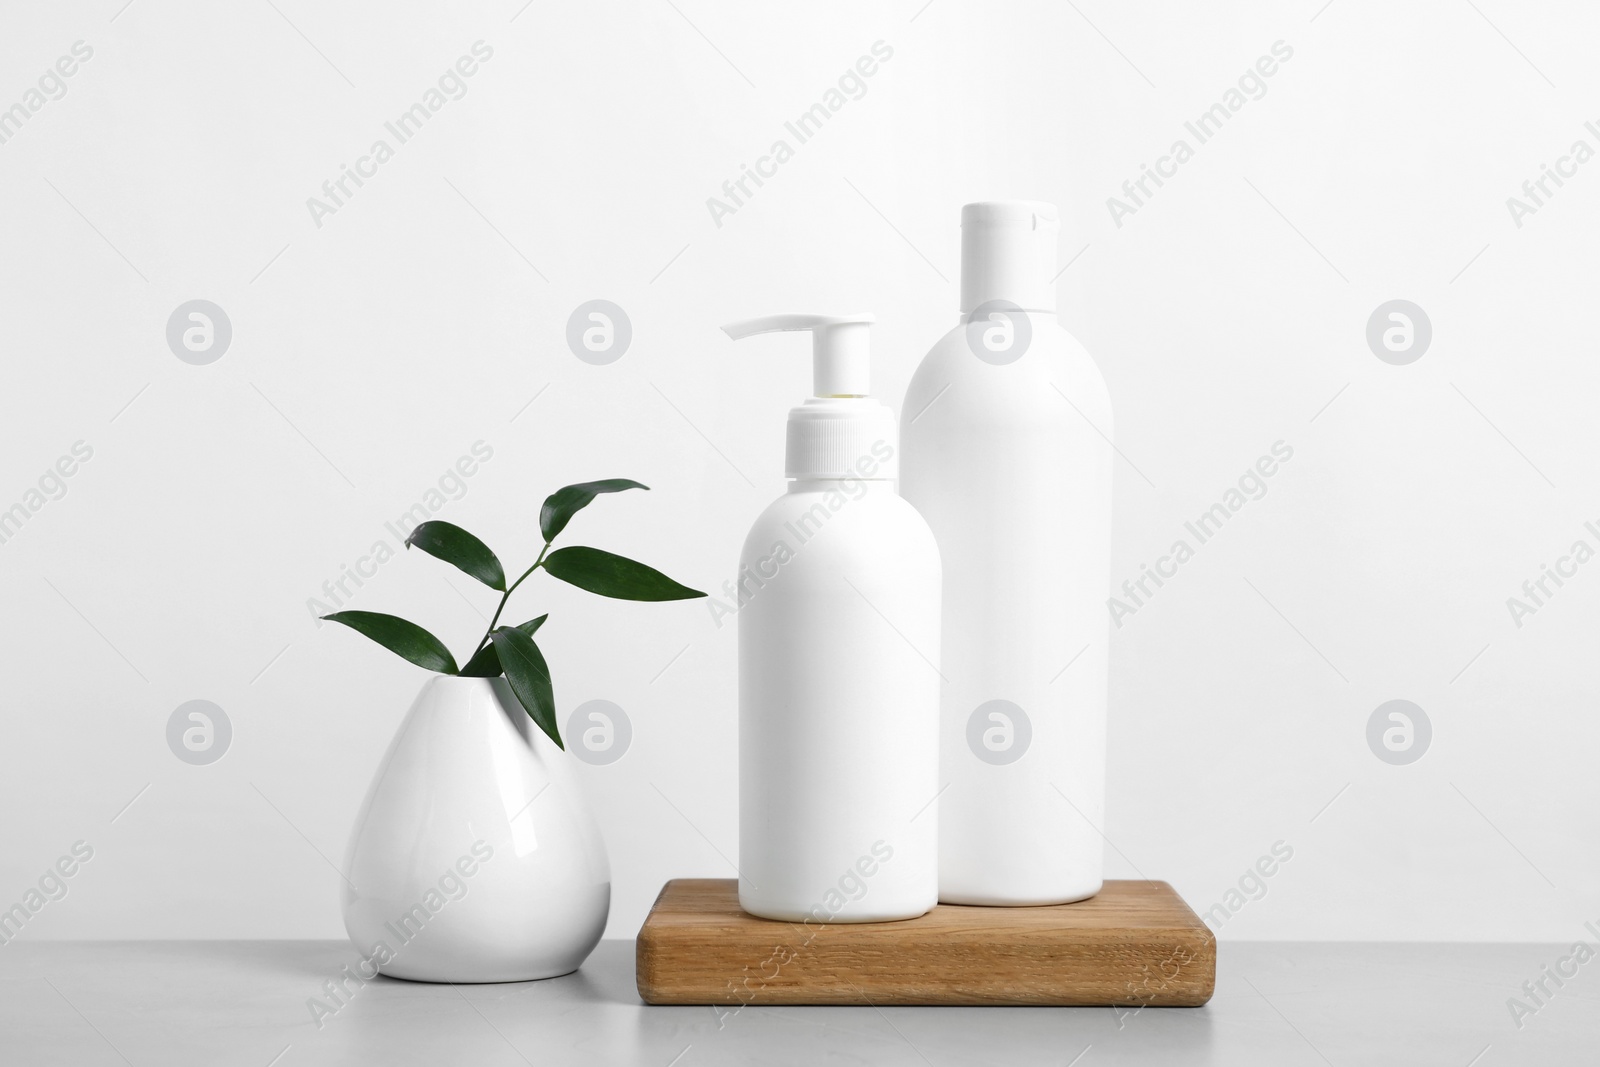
(368, 354)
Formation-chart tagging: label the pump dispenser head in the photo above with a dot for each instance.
(840, 348)
(840, 431)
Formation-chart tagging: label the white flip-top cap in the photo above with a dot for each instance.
(840, 431)
(1008, 252)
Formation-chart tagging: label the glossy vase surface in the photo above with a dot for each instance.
(475, 857)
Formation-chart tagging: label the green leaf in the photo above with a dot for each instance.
(561, 505)
(457, 547)
(529, 677)
(403, 638)
(614, 576)
(486, 663)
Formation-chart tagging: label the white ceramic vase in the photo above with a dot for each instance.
(474, 858)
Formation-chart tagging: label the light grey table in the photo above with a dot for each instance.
(218, 1003)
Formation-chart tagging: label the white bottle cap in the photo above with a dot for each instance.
(840, 431)
(1008, 253)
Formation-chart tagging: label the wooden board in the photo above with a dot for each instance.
(1136, 943)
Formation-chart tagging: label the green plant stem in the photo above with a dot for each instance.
(507, 596)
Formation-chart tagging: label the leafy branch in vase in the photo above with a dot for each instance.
(511, 650)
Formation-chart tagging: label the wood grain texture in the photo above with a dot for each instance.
(1136, 943)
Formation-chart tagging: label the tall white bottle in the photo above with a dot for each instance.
(838, 603)
(1008, 457)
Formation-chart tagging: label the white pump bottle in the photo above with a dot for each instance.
(838, 604)
(1008, 456)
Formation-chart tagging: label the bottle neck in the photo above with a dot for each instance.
(850, 486)
(1034, 315)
